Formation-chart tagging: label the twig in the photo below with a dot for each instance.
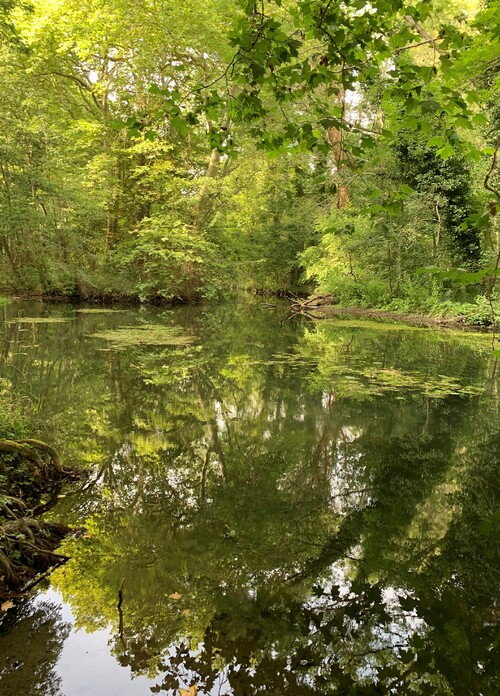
(62, 560)
(489, 173)
(120, 594)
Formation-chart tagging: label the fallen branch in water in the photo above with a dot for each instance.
(313, 301)
(305, 307)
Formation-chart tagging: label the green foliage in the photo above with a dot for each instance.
(12, 422)
(168, 260)
(446, 185)
(267, 219)
(300, 145)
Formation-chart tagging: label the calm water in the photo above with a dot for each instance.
(290, 508)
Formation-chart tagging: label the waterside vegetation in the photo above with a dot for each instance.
(197, 151)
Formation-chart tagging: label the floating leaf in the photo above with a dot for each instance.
(192, 691)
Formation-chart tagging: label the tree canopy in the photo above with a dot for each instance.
(168, 152)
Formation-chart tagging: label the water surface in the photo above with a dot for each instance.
(289, 508)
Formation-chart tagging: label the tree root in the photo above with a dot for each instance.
(54, 457)
(7, 565)
(22, 525)
(11, 506)
(29, 449)
(27, 549)
(27, 544)
(23, 450)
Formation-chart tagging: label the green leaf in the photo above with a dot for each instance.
(179, 124)
(446, 152)
(467, 278)
(436, 141)
(479, 120)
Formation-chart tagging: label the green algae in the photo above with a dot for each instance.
(144, 335)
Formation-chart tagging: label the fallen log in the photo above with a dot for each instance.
(313, 301)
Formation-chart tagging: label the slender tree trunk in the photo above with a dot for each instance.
(204, 207)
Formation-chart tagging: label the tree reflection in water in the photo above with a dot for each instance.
(294, 510)
(28, 660)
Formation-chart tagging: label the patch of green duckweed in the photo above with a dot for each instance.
(39, 320)
(144, 335)
(99, 310)
(373, 324)
(383, 380)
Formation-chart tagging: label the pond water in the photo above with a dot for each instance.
(288, 507)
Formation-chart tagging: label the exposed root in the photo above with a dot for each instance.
(54, 457)
(30, 449)
(11, 501)
(7, 511)
(22, 450)
(27, 549)
(7, 565)
(23, 525)
(27, 544)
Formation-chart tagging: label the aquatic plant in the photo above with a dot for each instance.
(144, 334)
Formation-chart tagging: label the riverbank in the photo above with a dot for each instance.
(459, 322)
(31, 479)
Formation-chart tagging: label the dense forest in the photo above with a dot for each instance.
(182, 151)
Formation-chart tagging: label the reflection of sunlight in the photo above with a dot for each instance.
(220, 416)
(348, 480)
(86, 661)
(349, 434)
(87, 667)
(362, 645)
